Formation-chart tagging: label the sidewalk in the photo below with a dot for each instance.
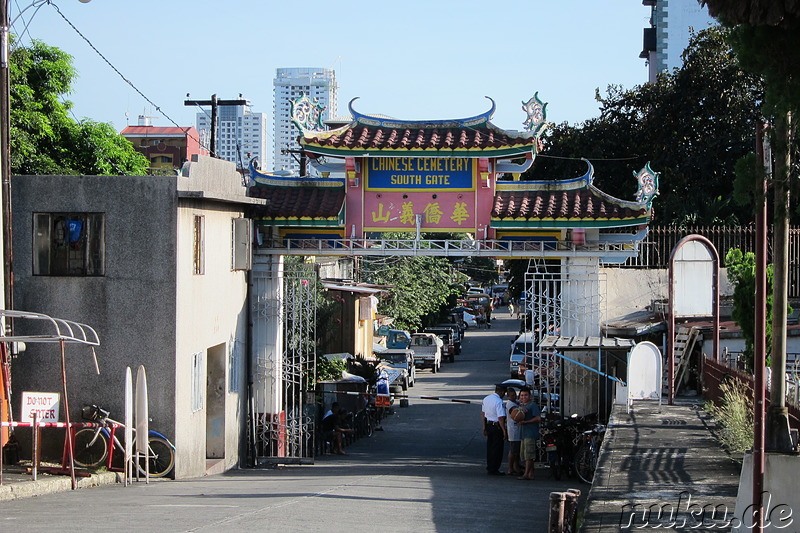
(663, 471)
(17, 483)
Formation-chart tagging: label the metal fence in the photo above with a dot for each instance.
(717, 372)
(655, 250)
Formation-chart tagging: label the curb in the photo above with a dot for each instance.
(40, 487)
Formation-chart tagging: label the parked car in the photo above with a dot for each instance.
(427, 350)
(458, 334)
(456, 316)
(522, 346)
(402, 360)
(398, 339)
(447, 335)
(470, 320)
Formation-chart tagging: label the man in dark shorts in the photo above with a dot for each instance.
(493, 416)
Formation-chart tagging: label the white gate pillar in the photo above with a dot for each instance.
(581, 297)
(268, 343)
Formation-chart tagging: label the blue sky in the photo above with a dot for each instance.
(415, 59)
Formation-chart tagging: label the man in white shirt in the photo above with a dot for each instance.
(493, 416)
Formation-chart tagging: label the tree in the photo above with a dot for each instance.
(767, 42)
(45, 139)
(692, 125)
(742, 275)
(479, 269)
(419, 287)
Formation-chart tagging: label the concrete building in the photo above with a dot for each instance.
(671, 22)
(241, 133)
(289, 85)
(167, 148)
(157, 265)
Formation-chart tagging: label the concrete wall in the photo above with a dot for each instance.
(629, 290)
(132, 307)
(633, 289)
(780, 498)
(212, 321)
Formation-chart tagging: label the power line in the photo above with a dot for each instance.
(630, 158)
(126, 80)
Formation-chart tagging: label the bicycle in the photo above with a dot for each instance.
(588, 452)
(91, 445)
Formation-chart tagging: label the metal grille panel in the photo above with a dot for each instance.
(562, 303)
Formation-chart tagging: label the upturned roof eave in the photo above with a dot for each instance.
(517, 150)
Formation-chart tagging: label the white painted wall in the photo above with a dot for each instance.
(629, 290)
(781, 499)
(211, 310)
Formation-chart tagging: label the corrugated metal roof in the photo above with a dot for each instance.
(586, 343)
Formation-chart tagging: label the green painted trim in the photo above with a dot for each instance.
(295, 222)
(567, 223)
(327, 222)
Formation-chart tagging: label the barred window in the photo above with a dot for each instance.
(68, 244)
(199, 244)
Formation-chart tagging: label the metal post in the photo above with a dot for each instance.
(760, 355)
(778, 436)
(69, 440)
(571, 510)
(35, 452)
(556, 522)
(5, 155)
(213, 141)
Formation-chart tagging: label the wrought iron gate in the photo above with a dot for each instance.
(558, 302)
(287, 436)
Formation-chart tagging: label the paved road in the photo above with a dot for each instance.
(424, 472)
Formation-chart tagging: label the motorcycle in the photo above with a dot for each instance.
(560, 439)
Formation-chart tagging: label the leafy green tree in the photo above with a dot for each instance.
(692, 124)
(480, 269)
(45, 139)
(766, 38)
(742, 275)
(419, 287)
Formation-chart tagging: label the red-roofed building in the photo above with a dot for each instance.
(167, 148)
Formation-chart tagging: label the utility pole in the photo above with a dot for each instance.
(5, 155)
(301, 159)
(214, 103)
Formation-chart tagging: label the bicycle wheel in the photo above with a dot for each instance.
(89, 450)
(162, 457)
(584, 464)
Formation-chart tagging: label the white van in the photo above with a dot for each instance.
(521, 347)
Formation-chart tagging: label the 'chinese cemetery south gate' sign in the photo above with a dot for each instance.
(440, 191)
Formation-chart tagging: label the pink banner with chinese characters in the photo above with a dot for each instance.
(440, 211)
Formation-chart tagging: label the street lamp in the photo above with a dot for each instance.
(5, 142)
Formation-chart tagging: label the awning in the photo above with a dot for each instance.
(586, 343)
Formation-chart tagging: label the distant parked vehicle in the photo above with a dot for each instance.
(402, 360)
(427, 350)
(447, 335)
(520, 348)
(458, 335)
(501, 292)
(398, 339)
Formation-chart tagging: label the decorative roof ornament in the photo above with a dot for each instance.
(387, 122)
(306, 113)
(537, 114)
(648, 185)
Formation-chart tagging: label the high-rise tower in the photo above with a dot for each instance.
(290, 84)
(241, 133)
